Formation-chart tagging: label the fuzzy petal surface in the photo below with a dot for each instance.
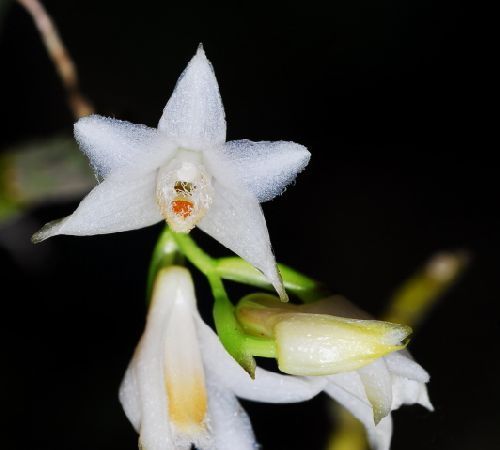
(115, 145)
(114, 205)
(194, 117)
(267, 168)
(236, 220)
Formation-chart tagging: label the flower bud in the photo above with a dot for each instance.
(318, 344)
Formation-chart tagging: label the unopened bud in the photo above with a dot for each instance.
(318, 344)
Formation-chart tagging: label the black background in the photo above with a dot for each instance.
(386, 95)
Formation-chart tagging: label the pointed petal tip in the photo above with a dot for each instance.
(48, 230)
(84, 122)
(282, 294)
(378, 416)
(200, 54)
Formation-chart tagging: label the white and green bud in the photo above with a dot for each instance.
(315, 343)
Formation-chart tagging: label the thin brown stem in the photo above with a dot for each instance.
(59, 55)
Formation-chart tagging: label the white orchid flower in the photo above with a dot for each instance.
(362, 361)
(371, 392)
(184, 172)
(181, 385)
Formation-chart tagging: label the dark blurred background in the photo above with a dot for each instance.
(385, 95)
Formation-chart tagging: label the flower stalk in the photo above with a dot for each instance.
(174, 248)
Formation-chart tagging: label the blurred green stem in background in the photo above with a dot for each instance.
(409, 305)
(41, 171)
(51, 169)
(417, 295)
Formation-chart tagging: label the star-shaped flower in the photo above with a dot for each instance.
(184, 172)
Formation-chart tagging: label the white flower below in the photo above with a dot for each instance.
(184, 172)
(181, 385)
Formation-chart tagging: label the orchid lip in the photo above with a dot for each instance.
(184, 190)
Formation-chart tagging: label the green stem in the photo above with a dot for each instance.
(165, 253)
(230, 332)
(257, 346)
(237, 269)
(193, 253)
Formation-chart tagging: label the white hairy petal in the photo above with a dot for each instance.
(348, 390)
(194, 116)
(228, 421)
(267, 386)
(267, 167)
(378, 387)
(115, 145)
(116, 204)
(236, 220)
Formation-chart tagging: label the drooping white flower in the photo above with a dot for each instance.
(181, 385)
(362, 361)
(371, 392)
(184, 172)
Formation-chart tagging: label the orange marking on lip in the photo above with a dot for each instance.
(187, 403)
(182, 208)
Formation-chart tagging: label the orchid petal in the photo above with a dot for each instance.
(194, 116)
(154, 427)
(228, 421)
(401, 363)
(184, 375)
(407, 392)
(115, 145)
(112, 206)
(236, 220)
(267, 386)
(378, 387)
(129, 396)
(348, 390)
(267, 168)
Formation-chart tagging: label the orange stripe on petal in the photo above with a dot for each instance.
(187, 402)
